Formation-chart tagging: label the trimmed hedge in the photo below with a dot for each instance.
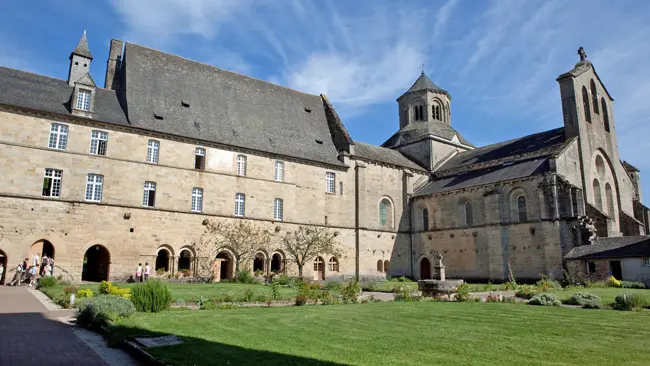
(151, 296)
(545, 300)
(629, 302)
(102, 310)
(586, 300)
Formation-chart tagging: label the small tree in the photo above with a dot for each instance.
(240, 237)
(304, 244)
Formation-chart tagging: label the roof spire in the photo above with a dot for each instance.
(423, 68)
(82, 48)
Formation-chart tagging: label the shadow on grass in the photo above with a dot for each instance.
(196, 351)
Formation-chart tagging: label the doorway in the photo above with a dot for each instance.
(226, 266)
(258, 263)
(276, 263)
(425, 269)
(616, 270)
(319, 269)
(185, 261)
(162, 260)
(96, 264)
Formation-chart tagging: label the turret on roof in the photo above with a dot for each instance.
(82, 48)
(424, 83)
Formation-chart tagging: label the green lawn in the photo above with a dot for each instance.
(606, 294)
(399, 333)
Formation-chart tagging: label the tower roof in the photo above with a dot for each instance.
(82, 48)
(424, 83)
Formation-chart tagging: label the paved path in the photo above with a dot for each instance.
(30, 334)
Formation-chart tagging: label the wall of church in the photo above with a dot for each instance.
(567, 164)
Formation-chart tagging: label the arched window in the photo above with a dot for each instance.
(405, 116)
(419, 115)
(594, 96)
(600, 166)
(603, 106)
(609, 195)
(522, 209)
(585, 104)
(386, 266)
(435, 112)
(385, 213)
(425, 219)
(598, 198)
(380, 266)
(574, 201)
(469, 217)
(333, 264)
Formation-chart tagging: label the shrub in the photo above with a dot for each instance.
(85, 293)
(151, 296)
(47, 281)
(315, 286)
(185, 272)
(103, 287)
(160, 271)
(102, 310)
(402, 293)
(261, 298)
(245, 276)
(207, 305)
(61, 299)
(350, 292)
(371, 287)
(547, 284)
(492, 298)
(629, 302)
(403, 279)
(275, 291)
(259, 273)
(333, 285)
(586, 300)
(283, 280)
(545, 300)
(228, 297)
(122, 292)
(462, 292)
(526, 291)
(248, 295)
(69, 290)
(329, 299)
(632, 284)
(301, 300)
(613, 282)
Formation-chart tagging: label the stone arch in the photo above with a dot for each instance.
(259, 261)
(185, 259)
(319, 269)
(333, 264)
(594, 96)
(425, 268)
(387, 266)
(386, 212)
(611, 205)
(585, 104)
(419, 109)
(603, 107)
(58, 242)
(466, 212)
(600, 166)
(164, 258)
(96, 264)
(600, 160)
(277, 262)
(519, 203)
(380, 266)
(224, 267)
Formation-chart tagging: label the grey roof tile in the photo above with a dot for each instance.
(414, 131)
(383, 155)
(612, 247)
(424, 83)
(82, 48)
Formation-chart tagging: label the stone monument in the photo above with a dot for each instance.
(443, 286)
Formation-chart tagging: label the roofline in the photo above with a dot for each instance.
(51, 78)
(358, 157)
(593, 68)
(429, 136)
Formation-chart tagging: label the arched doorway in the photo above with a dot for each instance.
(425, 269)
(185, 260)
(4, 262)
(319, 269)
(162, 259)
(226, 269)
(259, 262)
(96, 264)
(386, 266)
(380, 266)
(276, 263)
(42, 248)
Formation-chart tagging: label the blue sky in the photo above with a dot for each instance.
(498, 59)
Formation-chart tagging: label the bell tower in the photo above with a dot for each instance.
(424, 102)
(80, 59)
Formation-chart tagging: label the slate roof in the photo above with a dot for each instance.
(42, 93)
(629, 167)
(424, 83)
(414, 131)
(82, 48)
(613, 247)
(383, 155)
(224, 107)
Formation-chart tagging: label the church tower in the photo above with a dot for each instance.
(80, 59)
(425, 134)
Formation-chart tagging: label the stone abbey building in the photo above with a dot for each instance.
(102, 179)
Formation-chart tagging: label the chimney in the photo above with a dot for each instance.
(114, 65)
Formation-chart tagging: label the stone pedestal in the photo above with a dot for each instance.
(431, 288)
(441, 271)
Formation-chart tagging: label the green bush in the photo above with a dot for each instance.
(275, 291)
(47, 281)
(248, 295)
(102, 310)
(350, 292)
(402, 293)
(462, 292)
(547, 284)
(283, 280)
(632, 284)
(245, 276)
(104, 286)
(69, 290)
(403, 279)
(545, 300)
(301, 300)
(61, 299)
(586, 300)
(333, 286)
(151, 296)
(369, 286)
(629, 302)
(85, 293)
(526, 291)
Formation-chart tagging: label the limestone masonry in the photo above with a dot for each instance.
(102, 179)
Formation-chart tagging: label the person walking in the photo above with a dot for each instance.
(34, 275)
(138, 273)
(35, 260)
(23, 272)
(147, 271)
(44, 262)
(52, 266)
(15, 281)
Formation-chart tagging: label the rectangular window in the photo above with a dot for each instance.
(199, 158)
(58, 136)
(277, 209)
(240, 201)
(341, 188)
(153, 147)
(83, 99)
(94, 183)
(241, 165)
(197, 199)
(646, 262)
(330, 182)
(279, 171)
(149, 199)
(52, 183)
(98, 141)
(591, 267)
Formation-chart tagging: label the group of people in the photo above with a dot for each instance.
(142, 274)
(38, 268)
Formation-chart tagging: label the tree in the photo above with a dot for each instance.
(306, 243)
(240, 237)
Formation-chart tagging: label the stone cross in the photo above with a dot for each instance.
(582, 53)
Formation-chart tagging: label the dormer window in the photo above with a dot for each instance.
(83, 100)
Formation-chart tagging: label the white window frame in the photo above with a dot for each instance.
(153, 151)
(199, 151)
(94, 187)
(279, 171)
(58, 136)
(55, 176)
(330, 182)
(240, 204)
(83, 99)
(278, 209)
(197, 199)
(646, 262)
(96, 137)
(241, 165)
(148, 188)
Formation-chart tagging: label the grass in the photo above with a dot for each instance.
(387, 286)
(398, 333)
